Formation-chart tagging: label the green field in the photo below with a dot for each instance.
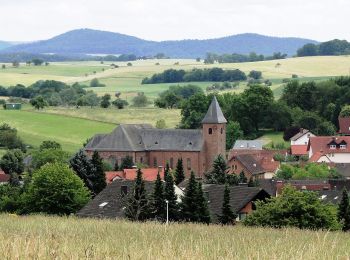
(128, 79)
(39, 237)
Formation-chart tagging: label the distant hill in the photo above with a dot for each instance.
(87, 41)
(4, 45)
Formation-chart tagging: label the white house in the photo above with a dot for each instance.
(301, 138)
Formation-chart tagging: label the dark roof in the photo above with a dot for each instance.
(110, 203)
(269, 185)
(134, 138)
(249, 162)
(343, 169)
(330, 196)
(240, 196)
(214, 114)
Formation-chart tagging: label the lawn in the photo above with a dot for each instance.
(39, 237)
(270, 138)
(70, 132)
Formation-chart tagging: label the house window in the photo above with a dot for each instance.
(188, 164)
(155, 163)
(332, 146)
(172, 163)
(343, 146)
(124, 191)
(210, 131)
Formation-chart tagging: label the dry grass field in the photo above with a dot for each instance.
(39, 237)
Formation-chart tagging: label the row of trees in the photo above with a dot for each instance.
(211, 58)
(334, 47)
(309, 171)
(9, 138)
(196, 75)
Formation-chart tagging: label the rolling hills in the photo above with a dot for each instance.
(4, 45)
(87, 41)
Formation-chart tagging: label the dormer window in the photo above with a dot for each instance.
(332, 146)
(343, 146)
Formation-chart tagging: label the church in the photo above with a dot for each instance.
(156, 147)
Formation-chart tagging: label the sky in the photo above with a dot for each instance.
(30, 20)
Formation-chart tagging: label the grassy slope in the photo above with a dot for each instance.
(37, 127)
(70, 238)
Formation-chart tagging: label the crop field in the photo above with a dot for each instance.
(39, 237)
(127, 79)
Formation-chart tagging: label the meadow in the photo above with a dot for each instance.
(40, 237)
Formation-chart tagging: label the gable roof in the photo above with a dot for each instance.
(343, 169)
(214, 114)
(300, 134)
(240, 196)
(148, 174)
(250, 163)
(321, 144)
(344, 125)
(248, 144)
(143, 137)
(299, 149)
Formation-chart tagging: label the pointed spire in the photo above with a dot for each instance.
(214, 114)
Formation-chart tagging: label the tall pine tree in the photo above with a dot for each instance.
(189, 203)
(82, 166)
(219, 172)
(228, 216)
(202, 214)
(98, 176)
(179, 172)
(242, 178)
(137, 206)
(170, 195)
(158, 200)
(344, 211)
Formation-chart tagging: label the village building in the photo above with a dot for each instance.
(329, 149)
(299, 142)
(148, 174)
(248, 145)
(344, 125)
(156, 147)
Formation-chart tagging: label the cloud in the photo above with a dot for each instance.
(176, 19)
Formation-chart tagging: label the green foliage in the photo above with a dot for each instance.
(82, 166)
(50, 145)
(120, 103)
(12, 162)
(50, 155)
(255, 74)
(106, 101)
(140, 100)
(160, 124)
(227, 217)
(38, 102)
(127, 163)
(242, 178)
(98, 177)
(9, 138)
(10, 198)
(333, 47)
(344, 211)
(158, 205)
(294, 209)
(219, 173)
(137, 206)
(55, 189)
(345, 112)
(170, 196)
(94, 83)
(179, 172)
(233, 133)
(202, 214)
(310, 171)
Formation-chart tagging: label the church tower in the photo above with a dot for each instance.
(214, 134)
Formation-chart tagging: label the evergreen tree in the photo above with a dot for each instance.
(166, 171)
(189, 204)
(158, 200)
(127, 163)
(116, 166)
(137, 206)
(179, 172)
(82, 166)
(344, 211)
(202, 214)
(98, 177)
(242, 178)
(218, 175)
(170, 196)
(228, 216)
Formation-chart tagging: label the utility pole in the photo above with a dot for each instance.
(167, 212)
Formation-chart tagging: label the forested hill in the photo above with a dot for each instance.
(4, 45)
(87, 41)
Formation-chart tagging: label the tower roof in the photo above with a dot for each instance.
(214, 114)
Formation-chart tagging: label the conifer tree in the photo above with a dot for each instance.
(98, 176)
(116, 166)
(158, 200)
(127, 163)
(166, 171)
(242, 178)
(137, 206)
(179, 172)
(170, 196)
(344, 211)
(82, 166)
(228, 216)
(202, 214)
(219, 172)
(189, 204)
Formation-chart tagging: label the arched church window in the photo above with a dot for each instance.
(210, 131)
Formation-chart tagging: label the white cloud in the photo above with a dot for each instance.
(176, 19)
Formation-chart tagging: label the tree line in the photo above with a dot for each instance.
(329, 48)
(211, 58)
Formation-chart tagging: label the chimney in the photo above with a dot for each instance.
(301, 130)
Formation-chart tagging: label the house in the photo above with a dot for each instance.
(242, 199)
(148, 174)
(301, 138)
(299, 150)
(329, 149)
(13, 106)
(248, 145)
(344, 125)
(156, 147)
(309, 185)
(248, 164)
(343, 169)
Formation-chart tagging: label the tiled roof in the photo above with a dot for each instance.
(240, 196)
(343, 169)
(300, 134)
(214, 114)
(249, 162)
(344, 124)
(110, 176)
(321, 144)
(248, 144)
(136, 138)
(299, 149)
(4, 177)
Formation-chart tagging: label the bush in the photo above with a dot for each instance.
(55, 189)
(95, 83)
(160, 124)
(140, 100)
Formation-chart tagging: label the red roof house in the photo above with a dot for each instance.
(148, 174)
(299, 150)
(344, 125)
